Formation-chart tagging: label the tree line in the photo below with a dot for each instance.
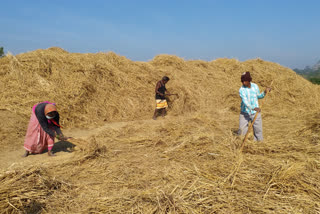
(310, 73)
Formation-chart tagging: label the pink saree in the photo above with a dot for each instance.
(37, 139)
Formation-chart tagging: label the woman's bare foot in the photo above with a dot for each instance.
(51, 154)
(25, 154)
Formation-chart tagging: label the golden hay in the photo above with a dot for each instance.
(27, 191)
(189, 162)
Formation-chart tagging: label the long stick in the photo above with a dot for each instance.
(254, 119)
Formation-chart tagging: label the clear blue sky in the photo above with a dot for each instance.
(282, 31)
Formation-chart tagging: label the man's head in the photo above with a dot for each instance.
(165, 79)
(246, 79)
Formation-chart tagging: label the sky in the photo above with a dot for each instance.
(282, 31)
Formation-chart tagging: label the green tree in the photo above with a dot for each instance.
(1, 52)
(315, 80)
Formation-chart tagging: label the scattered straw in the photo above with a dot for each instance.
(188, 162)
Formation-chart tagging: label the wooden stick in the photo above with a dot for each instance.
(254, 119)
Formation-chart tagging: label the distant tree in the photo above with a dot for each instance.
(1, 52)
(315, 80)
(310, 73)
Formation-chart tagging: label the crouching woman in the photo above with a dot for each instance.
(43, 128)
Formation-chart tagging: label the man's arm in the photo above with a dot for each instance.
(260, 95)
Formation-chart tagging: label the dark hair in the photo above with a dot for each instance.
(246, 77)
(165, 78)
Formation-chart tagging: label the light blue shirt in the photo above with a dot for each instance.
(249, 97)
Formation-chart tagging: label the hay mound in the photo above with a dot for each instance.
(186, 163)
(95, 88)
(28, 190)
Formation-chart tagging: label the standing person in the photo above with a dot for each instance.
(43, 128)
(249, 94)
(160, 97)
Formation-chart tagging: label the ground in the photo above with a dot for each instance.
(183, 164)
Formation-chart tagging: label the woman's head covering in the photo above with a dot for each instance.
(49, 108)
(246, 77)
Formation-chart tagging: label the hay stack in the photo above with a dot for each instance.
(100, 87)
(187, 163)
(28, 191)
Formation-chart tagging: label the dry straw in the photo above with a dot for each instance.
(186, 163)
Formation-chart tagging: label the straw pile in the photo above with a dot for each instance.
(27, 191)
(187, 163)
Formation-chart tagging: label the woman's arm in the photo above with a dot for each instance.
(43, 121)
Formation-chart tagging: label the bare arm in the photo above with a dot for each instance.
(169, 94)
